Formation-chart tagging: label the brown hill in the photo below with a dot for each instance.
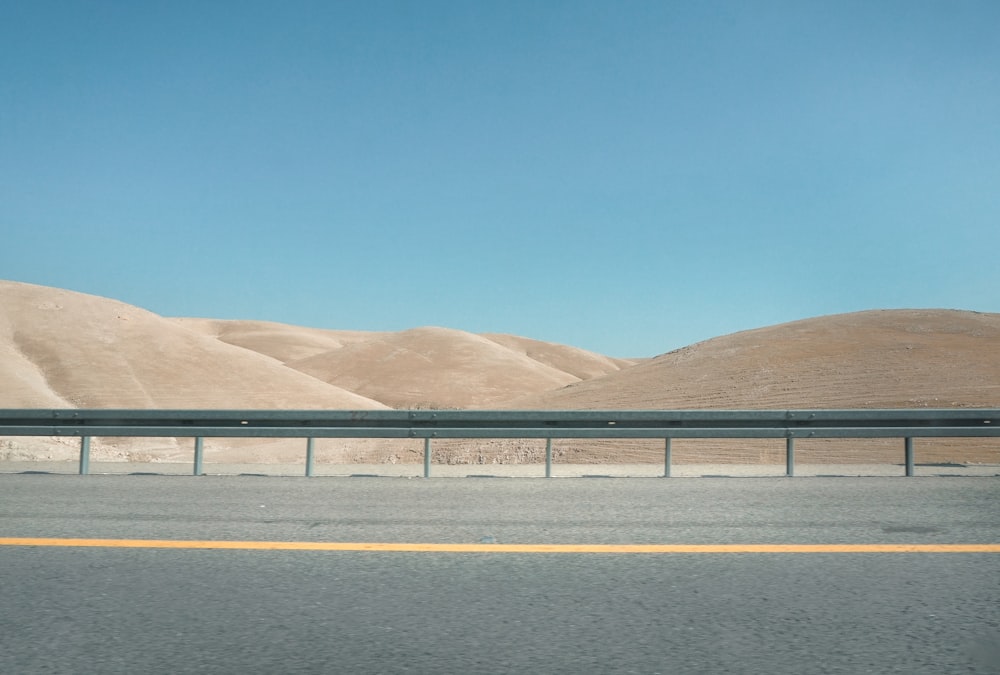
(422, 367)
(280, 341)
(874, 359)
(577, 362)
(59, 348)
(433, 368)
(64, 349)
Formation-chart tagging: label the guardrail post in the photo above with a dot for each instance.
(790, 456)
(908, 452)
(309, 456)
(666, 458)
(548, 458)
(199, 452)
(427, 457)
(84, 455)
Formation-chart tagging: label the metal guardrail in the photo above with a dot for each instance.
(548, 424)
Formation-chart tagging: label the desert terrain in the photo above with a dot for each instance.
(63, 349)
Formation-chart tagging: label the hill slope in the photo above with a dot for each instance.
(60, 349)
(65, 349)
(422, 367)
(433, 368)
(280, 341)
(874, 359)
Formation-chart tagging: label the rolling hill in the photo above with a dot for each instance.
(64, 349)
(873, 359)
(60, 349)
(425, 367)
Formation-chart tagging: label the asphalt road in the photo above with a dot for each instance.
(180, 610)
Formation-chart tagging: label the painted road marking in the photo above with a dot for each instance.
(502, 548)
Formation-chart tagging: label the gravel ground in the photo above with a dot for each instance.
(505, 470)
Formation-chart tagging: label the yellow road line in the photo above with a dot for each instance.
(502, 548)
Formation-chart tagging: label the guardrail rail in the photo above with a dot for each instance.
(471, 424)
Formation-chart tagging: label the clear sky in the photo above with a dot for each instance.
(624, 176)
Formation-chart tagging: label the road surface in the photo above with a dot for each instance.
(115, 607)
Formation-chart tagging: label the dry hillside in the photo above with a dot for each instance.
(577, 362)
(433, 368)
(59, 348)
(64, 349)
(418, 368)
(875, 359)
(280, 341)
(70, 350)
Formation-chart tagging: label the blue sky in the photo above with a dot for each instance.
(625, 176)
